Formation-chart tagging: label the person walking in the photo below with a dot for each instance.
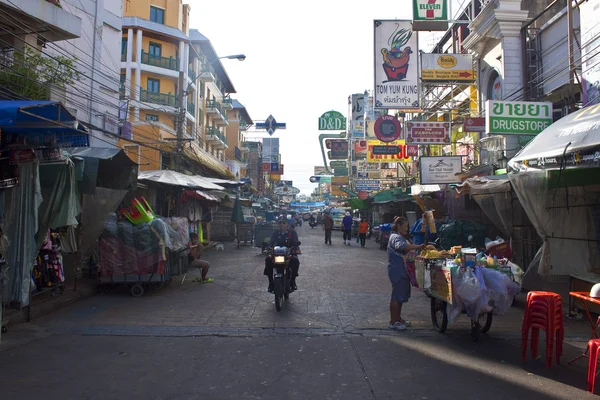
(398, 248)
(347, 227)
(363, 228)
(327, 226)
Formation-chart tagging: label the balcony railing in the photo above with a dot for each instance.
(192, 74)
(191, 108)
(214, 131)
(161, 62)
(158, 98)
(227, 101)
(207, 68)
(214, 104)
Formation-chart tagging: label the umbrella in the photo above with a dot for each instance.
(173, 178)
(237, 216)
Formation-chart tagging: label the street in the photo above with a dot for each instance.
(225, 340)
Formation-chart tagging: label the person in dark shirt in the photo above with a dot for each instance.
(287, 237)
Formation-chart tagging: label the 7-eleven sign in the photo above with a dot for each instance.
(430, 10)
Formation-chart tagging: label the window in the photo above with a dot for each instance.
(155, 49)
(153, 85)
(166, 161)
(152, 117)
(124, 46)
(157, 15)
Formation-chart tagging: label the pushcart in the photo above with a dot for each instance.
(137, 283)
(244, 233)
(441, 290)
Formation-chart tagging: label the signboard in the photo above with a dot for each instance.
(286, 199)
(402, 155)
(339, 180)
(418, 132)
(270, 147)
(474, 124)
(439, 170)
(368, 184)
(363, 195)
(360, 149)
(524, 139)
(285, 183)
(318, 170)
(517, 117)
(387, 128)
(340, 172)
(357, 112)
(127, 130)
(430, 15)
(339, 149)
(396, 69)
(447, 67)
(111, 124)
(589, 16)
(266, 167)
(270, 125)
(332, 121)
(338, 164)
(286, 190)
(320, 179)
(365, 166)
(337, 192)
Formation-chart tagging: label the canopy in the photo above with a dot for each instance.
(226, 182)
(40, 122)
(572, 141)
(387, 196)
(105, 167)
(173, 178)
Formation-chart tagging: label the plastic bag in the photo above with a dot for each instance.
(484, 300)
(501, 289)
(469, 291)
(517, 272)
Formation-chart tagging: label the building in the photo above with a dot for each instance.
(94, 98)
(165, 84)
(237, 154)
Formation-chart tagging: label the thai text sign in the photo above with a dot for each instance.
(418, 132)
(517, 117)
(357, 111)
(332, 121)
(402, 155)
(439, 170)
(447, 67)
(368, 184)
(396, 67)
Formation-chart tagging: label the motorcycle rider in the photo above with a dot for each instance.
(311, 221)
(287, 237)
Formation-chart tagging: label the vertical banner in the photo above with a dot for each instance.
(357, 123)
(396, 67)
(590, 38)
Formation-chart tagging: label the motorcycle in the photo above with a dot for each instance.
(312, 223)
(282, 274)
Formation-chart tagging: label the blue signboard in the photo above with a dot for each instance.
(270, 125)
(274, 167)
(368, 184)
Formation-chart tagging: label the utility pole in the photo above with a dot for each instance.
(180, 123)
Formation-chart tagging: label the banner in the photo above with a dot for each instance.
(396, 69)
(400, 152)
(418, 132)
(439, 170)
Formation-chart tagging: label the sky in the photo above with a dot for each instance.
(303, 59)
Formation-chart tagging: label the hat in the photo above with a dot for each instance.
(347, 212)
(595, 292)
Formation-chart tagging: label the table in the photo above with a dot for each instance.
(585, 298)
(580, 281)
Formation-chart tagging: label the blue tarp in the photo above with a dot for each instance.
(41, 123)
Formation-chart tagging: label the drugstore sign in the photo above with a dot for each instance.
(517, 117)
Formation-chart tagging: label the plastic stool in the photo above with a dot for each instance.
(593, 346)
(544, 311)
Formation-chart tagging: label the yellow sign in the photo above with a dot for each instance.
(373, 147)
(339, 180)
(275, 177)
(447, 61)
(450, 75)
(337, 192)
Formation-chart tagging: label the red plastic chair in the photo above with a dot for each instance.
(544, 311)
(593, 346)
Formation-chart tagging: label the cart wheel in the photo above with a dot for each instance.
(485, 321)
(439, 315)
(4, 329)
(137, 290)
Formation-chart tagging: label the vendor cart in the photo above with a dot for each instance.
(138, 283)
(443, 294)
(244, 233)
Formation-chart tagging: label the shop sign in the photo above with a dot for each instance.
(524, 139)
(430, 15)
(285, 183)
(339, 180)
(111, 125)
(440, 170)
(339, 149)
(286, 199)
(357, 111)
(286, 190)
(517, 117)
(418, 132)
(337, 164)
(340, 172)
(447, 67)
(332, 121)
(362, 175)
(320, 179)
(387, 128)
(365, 166)
(474, 124)
(266, 167)
(396, 66)
(368, 184)
(399, 152)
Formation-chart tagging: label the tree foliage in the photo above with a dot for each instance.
(33, 74)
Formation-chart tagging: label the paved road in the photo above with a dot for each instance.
(226, 341)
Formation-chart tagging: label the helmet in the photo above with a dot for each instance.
(595, 292)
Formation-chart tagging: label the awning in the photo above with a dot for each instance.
(388, 196)
(173, 178)
(105, 167)
(42, 122)
(199, 194)
(226, 182)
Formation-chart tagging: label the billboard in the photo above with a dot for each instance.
(447, 67)
(419, 132)
(396, 69)
(440, 170)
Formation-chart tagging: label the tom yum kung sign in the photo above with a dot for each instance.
(517, 117)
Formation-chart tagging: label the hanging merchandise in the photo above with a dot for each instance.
(48, 272)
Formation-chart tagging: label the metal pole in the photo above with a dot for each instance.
(571, 56)
(180, 123)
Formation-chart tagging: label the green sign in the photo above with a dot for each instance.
(517, 117)
(325, 179)
(337, 164)
(340, 172)
(332, 121)
(524, 139)
(430, 15)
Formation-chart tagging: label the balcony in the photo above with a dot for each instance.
(207, 73)
(216, 138)
(243, 125)
(227, 103)
(158, 98)
(191, 109)
(160, 62)
(192, 75)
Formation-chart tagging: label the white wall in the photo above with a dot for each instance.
(98, 53)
